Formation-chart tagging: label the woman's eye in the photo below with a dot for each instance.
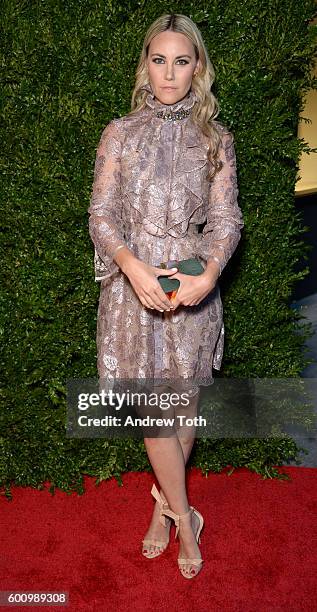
(160, 59)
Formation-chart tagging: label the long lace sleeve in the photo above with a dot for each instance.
(222, 232)
(105, 223)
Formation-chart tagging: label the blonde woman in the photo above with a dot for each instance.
(161, 171)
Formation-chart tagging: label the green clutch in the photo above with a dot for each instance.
(185, 266)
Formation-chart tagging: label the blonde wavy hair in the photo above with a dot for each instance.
(207, 108)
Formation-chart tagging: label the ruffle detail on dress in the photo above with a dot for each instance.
(145, 185)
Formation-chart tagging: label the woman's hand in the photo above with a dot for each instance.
(193, 289)
(143, 279)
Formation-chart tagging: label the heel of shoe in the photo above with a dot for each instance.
(201, 524)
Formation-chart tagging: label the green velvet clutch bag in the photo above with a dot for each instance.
(185, 266)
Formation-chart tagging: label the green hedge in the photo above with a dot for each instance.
(68, 69)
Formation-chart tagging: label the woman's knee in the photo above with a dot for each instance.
(159, 439)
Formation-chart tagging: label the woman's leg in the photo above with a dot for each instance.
(164, 453)
(156, 530)
(187, 433)
(167, 459)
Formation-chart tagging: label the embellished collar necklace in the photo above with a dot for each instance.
(170, 112)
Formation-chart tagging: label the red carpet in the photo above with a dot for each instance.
(258, 545)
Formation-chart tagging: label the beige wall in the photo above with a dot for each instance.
(308, 163)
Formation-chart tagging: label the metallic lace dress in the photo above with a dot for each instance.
(150, 193)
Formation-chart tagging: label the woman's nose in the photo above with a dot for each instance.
(169, 72)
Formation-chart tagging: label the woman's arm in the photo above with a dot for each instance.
(106, 226)
(222, 232)
(105, 210)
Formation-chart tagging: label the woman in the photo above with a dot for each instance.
(160, 171)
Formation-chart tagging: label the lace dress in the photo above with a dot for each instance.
(150, 193)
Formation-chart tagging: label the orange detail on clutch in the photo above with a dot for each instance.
(172, 294)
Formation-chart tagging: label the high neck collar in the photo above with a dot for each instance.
(178, 110)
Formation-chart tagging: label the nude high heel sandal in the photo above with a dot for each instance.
(159, 545)
(196, 564)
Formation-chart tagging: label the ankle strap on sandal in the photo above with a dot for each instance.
(177, 517)
(163, 504)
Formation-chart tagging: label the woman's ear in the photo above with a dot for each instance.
(198, 67)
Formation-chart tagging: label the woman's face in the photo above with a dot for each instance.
(171, 64)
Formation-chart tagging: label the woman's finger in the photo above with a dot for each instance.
(152, 303)
(163, 271)
(157, 295)
(161, 302)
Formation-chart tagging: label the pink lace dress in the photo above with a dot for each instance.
(150, 193)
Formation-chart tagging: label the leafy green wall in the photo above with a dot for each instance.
(67, 70)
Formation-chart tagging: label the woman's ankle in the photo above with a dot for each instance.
(188, 522)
